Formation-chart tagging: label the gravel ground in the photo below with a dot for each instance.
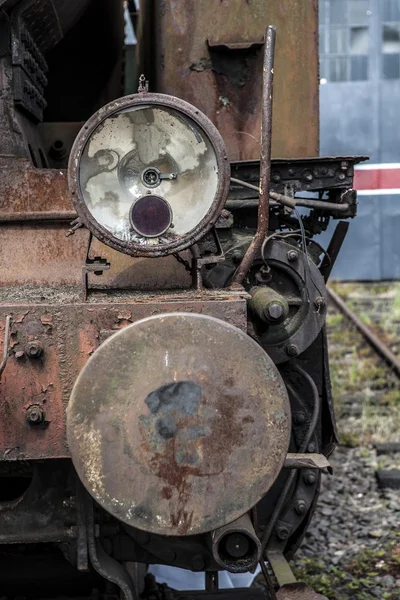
(352, 549)
(355, 534)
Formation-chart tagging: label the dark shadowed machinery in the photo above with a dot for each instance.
(165, 395)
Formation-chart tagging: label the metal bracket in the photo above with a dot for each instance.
(143, 86)
(289, 588)
(307, 461)
(96, 265)
(199, 262)
(102, 563)
(281, 568)
(231, 46)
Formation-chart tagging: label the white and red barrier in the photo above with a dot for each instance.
(377, 179)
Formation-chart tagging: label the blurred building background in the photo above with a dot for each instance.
(360, 114)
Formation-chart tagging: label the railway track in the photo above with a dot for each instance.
(373, 340)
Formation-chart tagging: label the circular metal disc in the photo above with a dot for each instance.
(178, 424)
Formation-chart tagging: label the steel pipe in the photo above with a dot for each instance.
(285, 200)
(49, 215)
(265, 160)
(236, 546)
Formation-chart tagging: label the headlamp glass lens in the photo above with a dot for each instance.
(151, 216)
(143, 149)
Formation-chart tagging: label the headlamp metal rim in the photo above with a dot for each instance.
(138, 100)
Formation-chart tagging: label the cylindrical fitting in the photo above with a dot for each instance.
(236, 547)
(268, 305)
(58, 151)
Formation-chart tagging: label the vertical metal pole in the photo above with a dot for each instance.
(265, 159)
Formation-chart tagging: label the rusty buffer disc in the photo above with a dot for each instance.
(178, 424)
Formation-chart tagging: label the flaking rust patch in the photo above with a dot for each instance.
(46, 319)
(124, 315)
(19, 318)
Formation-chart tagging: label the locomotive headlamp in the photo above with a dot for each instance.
(149, 174)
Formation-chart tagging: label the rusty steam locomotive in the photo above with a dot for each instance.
(165, 393)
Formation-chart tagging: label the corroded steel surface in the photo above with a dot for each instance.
(25, 189)
(68, 332)
(35, 249)
(201, 60)
(35, 252)
(178, 424)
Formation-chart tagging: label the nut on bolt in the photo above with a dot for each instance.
(282, 532)
(237, 256)
(310, 477)
(34, 349)
(292, 255)
(35, 415)
(319, 302)
(275, 310)
(299, 418)
(300, 507)
(292, 350)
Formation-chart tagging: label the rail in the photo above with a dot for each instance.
(373, 340)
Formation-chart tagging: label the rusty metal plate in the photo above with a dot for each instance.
(178, 424)
(69, 332)
(215, 62)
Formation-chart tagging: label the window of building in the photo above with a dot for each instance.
(344, 40)
(391, 39)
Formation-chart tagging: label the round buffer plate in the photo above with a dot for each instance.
(178, 424)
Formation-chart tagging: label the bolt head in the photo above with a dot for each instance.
(274, 310)
(319, 302)
(292, 255)
(34, 349)
(282, 533)
(237, 256)
(35, 415)
(299, 418)
(292, 350)
(311, 447)
(300, 507)
(310, 478)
